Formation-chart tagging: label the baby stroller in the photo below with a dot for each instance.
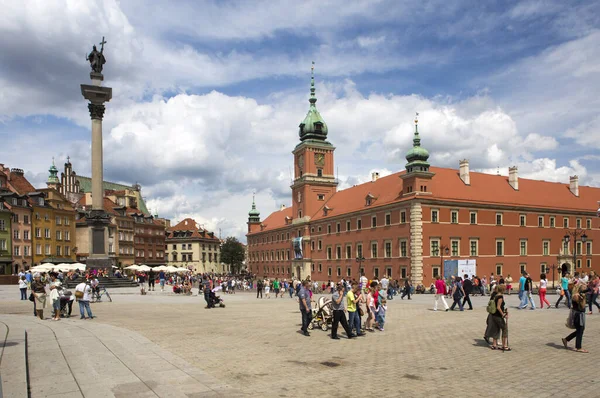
(214, 300)
(323, 315)
(65, 304)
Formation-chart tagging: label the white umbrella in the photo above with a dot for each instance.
(170, 268)
(63, 266)
(182, 269)
(133, 267)
(161, 268)
(144, 268)
(78, 266)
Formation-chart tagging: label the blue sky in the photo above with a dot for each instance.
(208, 95)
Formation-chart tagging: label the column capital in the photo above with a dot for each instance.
(96, 111)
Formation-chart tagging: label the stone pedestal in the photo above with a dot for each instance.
(97, 218)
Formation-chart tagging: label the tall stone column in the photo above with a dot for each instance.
(97, 218)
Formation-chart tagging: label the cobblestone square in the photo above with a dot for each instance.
(254, 346)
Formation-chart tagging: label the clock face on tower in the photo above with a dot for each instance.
(320, 159)
(301, 161)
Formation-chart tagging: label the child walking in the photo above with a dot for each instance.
(381, 310)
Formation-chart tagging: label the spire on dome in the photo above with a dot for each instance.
(417, 156)
(253, 214)
(53, 177)
(313, 126)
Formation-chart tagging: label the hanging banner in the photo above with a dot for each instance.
(297, 245)
(450, 268)
(468, 267)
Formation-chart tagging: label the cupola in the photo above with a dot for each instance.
(253, 214)
(417, 156)
(313, 126)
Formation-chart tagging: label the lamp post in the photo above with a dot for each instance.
(553, 268)
(441, 250)
(360, 260)
(576, 233)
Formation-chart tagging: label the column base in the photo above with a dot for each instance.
(99, 262)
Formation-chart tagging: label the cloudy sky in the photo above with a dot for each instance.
(208, 95)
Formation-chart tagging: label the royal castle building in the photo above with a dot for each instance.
(421, 221)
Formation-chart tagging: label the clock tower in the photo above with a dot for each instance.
(314, 180)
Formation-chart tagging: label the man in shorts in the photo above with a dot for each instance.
(276, 287)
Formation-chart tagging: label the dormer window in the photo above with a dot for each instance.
(41, 201)
(326, 210)
(318, 126)
(369, 199)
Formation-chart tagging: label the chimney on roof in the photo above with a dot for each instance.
(374, 176)
(513, 177)
(574, 185)
(464, 171)
(282, 207)
(185, 222)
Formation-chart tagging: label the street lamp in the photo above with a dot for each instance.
(436, 252)
(360, 260)
(576, 233)
(553, 268)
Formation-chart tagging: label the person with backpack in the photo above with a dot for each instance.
(499, 320)
(491, 308)
(457, 294)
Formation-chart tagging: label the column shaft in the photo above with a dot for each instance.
(97, 171)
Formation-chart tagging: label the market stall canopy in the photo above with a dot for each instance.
(144, 268)
(133, 267)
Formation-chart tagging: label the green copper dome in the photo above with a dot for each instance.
(253, 214)
(417, 156)
(313, 126)
(53, 177)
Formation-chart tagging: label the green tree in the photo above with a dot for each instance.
(233, 254)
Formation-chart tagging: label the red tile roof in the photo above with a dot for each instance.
(446, 185)
(276, 219)
(20, 184)
(189, 224)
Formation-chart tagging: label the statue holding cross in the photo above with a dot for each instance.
(96, 58)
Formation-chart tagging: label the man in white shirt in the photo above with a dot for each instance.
(363, 282)
(95, 285)
(84, 301)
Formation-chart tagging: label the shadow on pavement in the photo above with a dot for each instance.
(557, 346)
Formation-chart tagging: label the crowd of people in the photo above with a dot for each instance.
(49, 289)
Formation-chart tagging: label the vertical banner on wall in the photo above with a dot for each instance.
(468, 267)
(450, 268)
(297, 245)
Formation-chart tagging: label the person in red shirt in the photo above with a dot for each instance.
(440, 292)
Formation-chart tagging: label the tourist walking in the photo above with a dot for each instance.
(259, 288)
(509, 281)
(276, 287)
(440, 292)
(23, 287)
(407, 286)
(161, 280)
(381, 310)
(564, 291)
(305, 306)
(38, 289)
(593, 287)
(151, 280)
(83, 298)
(457, 294)
(522, 295)
(577, 317)
(267, 288)
(337, 304)
(527, 293)
(499, 321)
(542, 291)
(55, 287)
(353, 307)
(370, 311)
(467, 288)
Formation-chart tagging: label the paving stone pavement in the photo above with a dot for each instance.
(253, 346)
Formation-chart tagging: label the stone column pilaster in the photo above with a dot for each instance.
(416, 243)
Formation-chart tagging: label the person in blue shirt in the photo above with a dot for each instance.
(161, 279)
(28, 277)
(564, 285)
(522, 294)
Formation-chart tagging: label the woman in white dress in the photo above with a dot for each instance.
(267, 289)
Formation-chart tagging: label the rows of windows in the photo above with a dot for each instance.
(434, 247)
(273, 255)
(454, 219)
(47, 250)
